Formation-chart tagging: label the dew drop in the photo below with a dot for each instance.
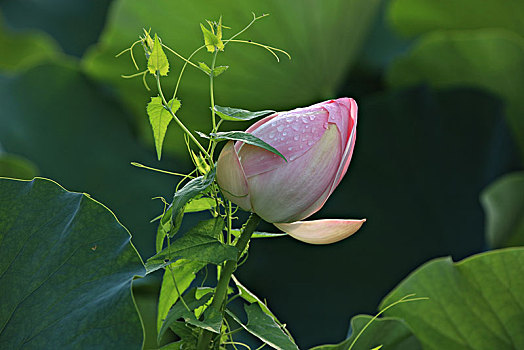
(284, 133)
(289, 119)
(280, 128)
(307, 126)
(290, 148)
(310, 142)
(296, 137)
(312, 117)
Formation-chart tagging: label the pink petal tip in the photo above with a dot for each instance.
(324, 231)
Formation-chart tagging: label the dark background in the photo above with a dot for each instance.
(439, 120)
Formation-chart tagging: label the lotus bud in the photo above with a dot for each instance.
(317, 142)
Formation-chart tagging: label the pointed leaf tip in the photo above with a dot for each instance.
(158, 60)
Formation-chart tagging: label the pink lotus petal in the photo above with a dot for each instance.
(291, 133)
(231, 177)
(255, 126)
(321, 231)
(347, 128)
(348, 152)
(297, 185)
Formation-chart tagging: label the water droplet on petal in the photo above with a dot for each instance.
(296, 137)
(310, 142)
(280, 128)
(290, 148)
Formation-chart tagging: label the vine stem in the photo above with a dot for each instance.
(230, 266)
(186, 130)
(211, 88)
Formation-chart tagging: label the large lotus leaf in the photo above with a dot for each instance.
(323, 39)
(413, 17)
(66, 267)
(75, 134)
(503, 202)
(477, 303)
(388, 332)
(490, 59)
(421, 159)
(23, 50)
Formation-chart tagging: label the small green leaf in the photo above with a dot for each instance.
(200, 204)
(184, 331)
(219, 70)
(179, 310)
(265, 328)
(247, 138)
(237, 114)
(164, 228)
(259, 234)
(159, 117)
(204, 67)
(192, 189)
(183, 272)
(503, 202)
(216, 72)
(211, 40)
(212, 320)
(158, 60)
(252, 298)
(199, 244)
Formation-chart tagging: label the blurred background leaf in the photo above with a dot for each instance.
(464, 43)
(23, 50)
(17, 167)
(503, 202)
(487, 58)
(413, 17)
(73, 25)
